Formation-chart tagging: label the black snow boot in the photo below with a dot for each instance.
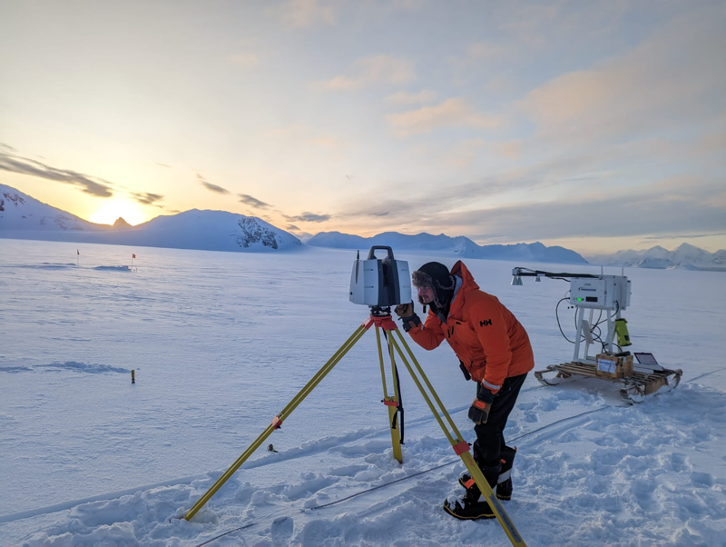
(504, 481)
(473, 505)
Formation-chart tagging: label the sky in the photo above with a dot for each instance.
(598, 126)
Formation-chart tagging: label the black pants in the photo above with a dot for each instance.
(490, 436)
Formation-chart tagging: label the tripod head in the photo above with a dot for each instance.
(380, 311)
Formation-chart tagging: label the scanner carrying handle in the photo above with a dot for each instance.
(372, 252)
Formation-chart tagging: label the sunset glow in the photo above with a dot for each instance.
(476, 119)
(111, 210)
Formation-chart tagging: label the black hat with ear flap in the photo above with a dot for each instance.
(436, 276)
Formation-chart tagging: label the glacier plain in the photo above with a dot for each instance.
(220, 342)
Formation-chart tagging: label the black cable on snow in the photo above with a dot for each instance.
(562, 420)
(378, 487)
(445, 464)
(452, 461)
(226, 534)
(706, 374)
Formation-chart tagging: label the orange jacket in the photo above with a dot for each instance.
(484, 334)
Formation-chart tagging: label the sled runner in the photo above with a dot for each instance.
(635, 386)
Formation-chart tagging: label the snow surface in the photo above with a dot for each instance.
(220, 342)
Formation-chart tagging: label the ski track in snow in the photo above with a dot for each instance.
(67, 366)
(589, 470)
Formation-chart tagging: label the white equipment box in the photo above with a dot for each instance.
(610, 292)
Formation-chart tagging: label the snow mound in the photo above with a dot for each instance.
(113, 268)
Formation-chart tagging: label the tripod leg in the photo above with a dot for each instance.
(277, 421)
(460, 446)
(390, 401)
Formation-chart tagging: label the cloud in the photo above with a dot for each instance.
(215, 188)
(308, 217)
(252, 202)
(712, 143)
(673, 80)
(244, 60)
(212, 187)
(403, 98)
(464, 152)
(26, 166)
(398, 210)
(372, 70)
(571, 173)
(673, 205)
(454, 112)
(305, 13)
(301, 134)
(326, 142)
(527, 20)
(289, 132)
(164, 165)
(690, 235)
(589, 195)
(147, 198)
(488, 50)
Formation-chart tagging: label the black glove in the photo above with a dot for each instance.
(479, 410)
(408, 316)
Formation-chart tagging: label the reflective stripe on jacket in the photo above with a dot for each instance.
(483, 333)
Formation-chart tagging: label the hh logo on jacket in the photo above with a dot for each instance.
(485, 323)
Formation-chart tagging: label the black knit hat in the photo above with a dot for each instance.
(436, 276)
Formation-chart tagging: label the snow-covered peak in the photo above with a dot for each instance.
(656, 252)
(121, 224)
(18, 211)
(689, 254)
(215, 231)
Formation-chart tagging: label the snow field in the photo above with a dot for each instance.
(221, 342)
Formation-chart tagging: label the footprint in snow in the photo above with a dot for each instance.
(281, 530)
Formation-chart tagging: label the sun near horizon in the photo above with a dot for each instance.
(114, 209)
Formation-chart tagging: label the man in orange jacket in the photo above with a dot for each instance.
(493, 349)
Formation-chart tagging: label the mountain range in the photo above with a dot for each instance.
(461, 246)
(23, 217)
(685, 256)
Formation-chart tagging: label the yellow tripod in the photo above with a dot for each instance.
(381, 319)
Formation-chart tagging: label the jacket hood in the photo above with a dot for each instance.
(467, 284)
(463, 272)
